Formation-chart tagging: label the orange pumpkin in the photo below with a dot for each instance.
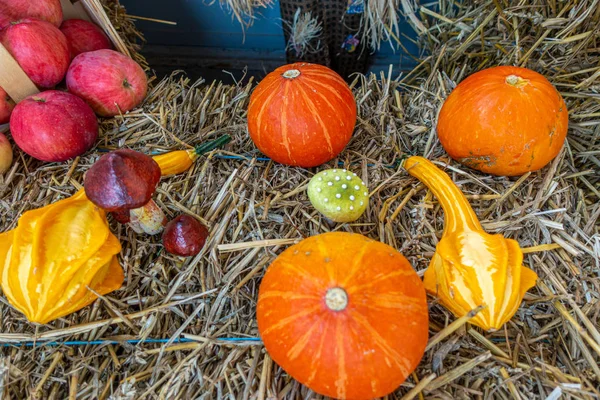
(343, 314)
(302, 115)
(504, 121)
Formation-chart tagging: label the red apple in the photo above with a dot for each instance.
(53, 126)
(46, 10)
(83, 36)
(39, 48)
(6, 106)
(6, 155)
(108, 81)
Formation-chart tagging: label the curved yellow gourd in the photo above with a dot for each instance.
(471, 267)
(52, 257)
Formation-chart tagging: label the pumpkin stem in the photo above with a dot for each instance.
(291, 74)
(458, 214)
(516, 81)
(336, 299)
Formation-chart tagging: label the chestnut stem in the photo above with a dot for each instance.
(148, 219)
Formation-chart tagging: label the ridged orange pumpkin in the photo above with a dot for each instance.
(343, 314)
(503, 121)
(301, 115)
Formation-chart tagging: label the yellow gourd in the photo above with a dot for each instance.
(176, 162)
(52, 257)
(471, 267)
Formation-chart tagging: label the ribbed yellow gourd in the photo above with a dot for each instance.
(52, 257)
(470, 267)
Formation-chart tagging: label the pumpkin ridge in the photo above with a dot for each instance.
(326, 101)
(262, 90)
(380, 342)
(451, 271)
(498, 245)
(317, 356)
(323, 251)
(521, 290)
(278, 294)
(309, 103)
(356, 265)
(265, 104)
(396, 300)
(10, 282)
(302, 342)
(76, 297)
(341, 382)
(286, 321)
(332, 90)
(284, 122)
(375, 281)
(112, 281)
(316, 74)
(298, 270)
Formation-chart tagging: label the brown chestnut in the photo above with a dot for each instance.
(184, 236)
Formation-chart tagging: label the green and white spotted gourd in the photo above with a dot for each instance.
(338, 194)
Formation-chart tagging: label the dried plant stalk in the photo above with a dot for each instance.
(305, 31)
(244, 11)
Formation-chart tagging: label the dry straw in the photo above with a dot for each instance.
(244, 11)
(255, 209)
(380, 21)
(304, 30)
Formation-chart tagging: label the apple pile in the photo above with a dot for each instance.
(57, 125)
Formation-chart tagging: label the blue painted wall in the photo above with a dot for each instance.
(210, 31)
(199, 24)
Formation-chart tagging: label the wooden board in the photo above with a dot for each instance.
(13, 79)
(96, 11)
